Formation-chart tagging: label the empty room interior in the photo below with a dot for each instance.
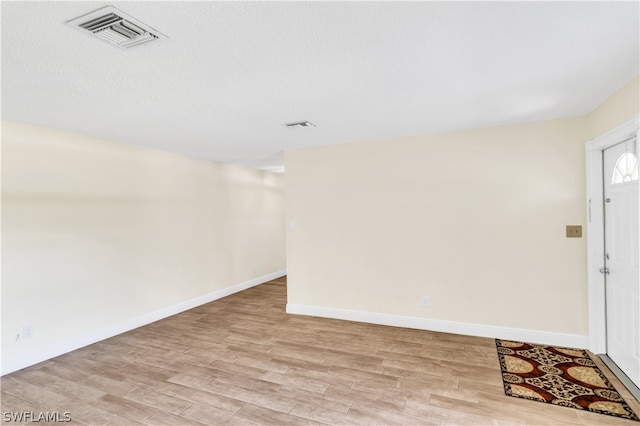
(417, 213)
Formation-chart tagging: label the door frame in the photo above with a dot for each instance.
(595, 229)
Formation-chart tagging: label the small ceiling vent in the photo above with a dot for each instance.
(300, 124)
(116, 27)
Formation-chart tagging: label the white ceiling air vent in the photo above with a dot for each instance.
(300, 124)
(116, 27)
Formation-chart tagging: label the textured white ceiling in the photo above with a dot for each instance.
(231, 74)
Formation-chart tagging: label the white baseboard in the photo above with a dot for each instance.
(71, 344)
(469, 329)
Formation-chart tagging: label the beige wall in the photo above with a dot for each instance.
(619, 108)
(95, 233)
(475, 220)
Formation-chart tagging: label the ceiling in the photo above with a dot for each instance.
(229, 75)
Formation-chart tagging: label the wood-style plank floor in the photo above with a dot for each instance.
(243, 360)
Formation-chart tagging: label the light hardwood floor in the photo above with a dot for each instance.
(243, 360)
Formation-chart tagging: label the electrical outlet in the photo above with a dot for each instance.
(27, 332)
(425, 301)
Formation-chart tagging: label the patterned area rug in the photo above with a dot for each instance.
(560, 376)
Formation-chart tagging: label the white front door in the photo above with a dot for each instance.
(620, 182)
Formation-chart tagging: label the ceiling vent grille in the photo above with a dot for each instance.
(115, 27)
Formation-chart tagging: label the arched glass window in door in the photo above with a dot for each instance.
(626, 169)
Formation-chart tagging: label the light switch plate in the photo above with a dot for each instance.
(574, 231)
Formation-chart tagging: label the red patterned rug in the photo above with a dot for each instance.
(560, 376)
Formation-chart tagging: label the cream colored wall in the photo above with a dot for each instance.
(95, 233)
(474, 220)
(623, 106)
